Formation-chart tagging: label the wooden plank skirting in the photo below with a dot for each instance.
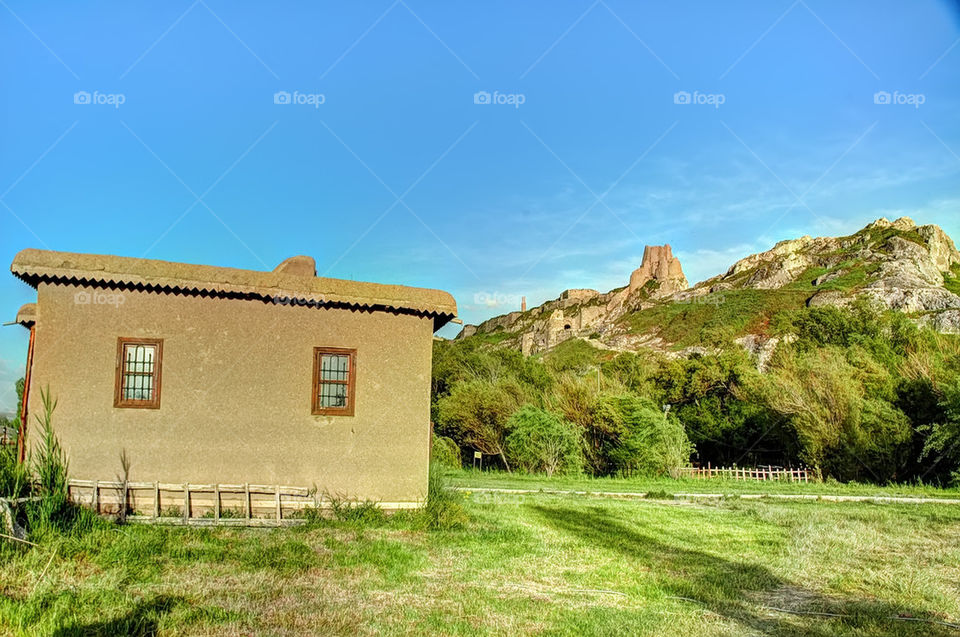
(205, 504)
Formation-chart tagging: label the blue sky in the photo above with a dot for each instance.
(384, 167)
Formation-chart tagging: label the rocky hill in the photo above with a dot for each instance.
(905, 267)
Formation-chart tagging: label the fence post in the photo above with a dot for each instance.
(156, 499)
(216, 504)
(246, 499)
(186, 502)
(277, 487)
(96, 496)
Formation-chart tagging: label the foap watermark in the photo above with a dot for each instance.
(715, 299)
(98, 298)
(509, 99)
(300, 99)
(899, 99)
(495, 299)
(700, 99)
(99, 99)
(315, 301)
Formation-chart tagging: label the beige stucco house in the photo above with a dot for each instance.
(205, 374)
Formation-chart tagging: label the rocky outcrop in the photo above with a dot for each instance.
(899, 264)
(902, 266)
(762, 348)
(660, 266)
(584, 312)
(947, 321)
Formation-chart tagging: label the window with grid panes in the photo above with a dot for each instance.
(139, 362)
(334, 380)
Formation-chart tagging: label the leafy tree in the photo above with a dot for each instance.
(540, 441)
(637, 438)
(633, 371)
(477, 414)
(14, 475)
(859, 392)
(942, 447)
(841, 430)
(14, 423)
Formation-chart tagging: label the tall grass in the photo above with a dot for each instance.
(14, 475)
(44, 478)
(444, 510)
(50, 468)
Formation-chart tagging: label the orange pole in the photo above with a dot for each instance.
(22, 433)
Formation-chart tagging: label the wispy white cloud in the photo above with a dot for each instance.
(700, 265)
(714, 212)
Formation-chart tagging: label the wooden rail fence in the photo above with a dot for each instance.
(737, 473)
(196, 504)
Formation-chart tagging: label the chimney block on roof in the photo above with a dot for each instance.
(299, 266)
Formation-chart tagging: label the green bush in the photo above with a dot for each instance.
(542, 442)
(14, 475)
(575, 355)
(643, 439)
(446, 452)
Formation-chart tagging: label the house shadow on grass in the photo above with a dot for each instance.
(141, 621)
(731, 589)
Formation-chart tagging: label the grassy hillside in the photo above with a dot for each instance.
(741, 310)
(732, 313)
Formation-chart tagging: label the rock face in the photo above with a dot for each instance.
(900, 265)
(659, 265)
(585, 312)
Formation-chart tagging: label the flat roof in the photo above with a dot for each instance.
(283, 286)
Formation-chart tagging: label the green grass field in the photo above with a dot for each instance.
(530, 564)
(503, 480)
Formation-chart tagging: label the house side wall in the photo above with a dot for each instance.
(236, 393)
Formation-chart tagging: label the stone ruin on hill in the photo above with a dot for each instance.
(582, 312)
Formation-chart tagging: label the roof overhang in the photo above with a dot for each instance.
(284, 286)
(27, 315)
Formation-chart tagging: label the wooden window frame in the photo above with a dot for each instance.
(153, 403)
(351, 382)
